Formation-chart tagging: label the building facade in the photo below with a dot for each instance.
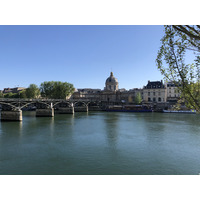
(86, 93)
(13, 90)
(110, 94)
(155, 92)
(173, 93)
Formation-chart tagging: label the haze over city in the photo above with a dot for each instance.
(81, 55)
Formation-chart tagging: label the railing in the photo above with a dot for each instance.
(37, 100)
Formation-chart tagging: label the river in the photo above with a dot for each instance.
(102, 143)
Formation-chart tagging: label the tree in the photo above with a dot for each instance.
(10, 95)
(191, 34)
(32, 91)
(46, 89)
(177, 43)
(62, 90)
(22, 94)
(56, 89)
(138, 98)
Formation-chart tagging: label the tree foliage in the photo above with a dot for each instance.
(21, 95)
(32, 91)
(9, 95)
(138, 98)
(56, 89)
(177, 43)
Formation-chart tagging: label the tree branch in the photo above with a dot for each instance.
(184, 30)
(183, 80)
(192, 28)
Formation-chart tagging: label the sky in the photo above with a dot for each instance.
(81, 55)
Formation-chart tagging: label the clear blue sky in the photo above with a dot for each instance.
(81, 55)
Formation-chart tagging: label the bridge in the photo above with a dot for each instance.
(11, 109)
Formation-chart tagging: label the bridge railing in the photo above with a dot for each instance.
(46, 100)
(86, 100)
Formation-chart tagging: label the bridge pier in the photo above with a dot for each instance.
(46, 112)
(81, 109)
(67, 110)
(11, 115)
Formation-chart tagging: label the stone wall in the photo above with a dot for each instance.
(48, 112)
(11, 115)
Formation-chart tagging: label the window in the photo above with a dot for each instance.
(159, 99)
(154, 94)
(148, 93)
(149, 99)
(154, 99)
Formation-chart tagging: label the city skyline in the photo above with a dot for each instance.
(81, 55)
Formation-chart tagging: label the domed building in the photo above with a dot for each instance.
(111, 83)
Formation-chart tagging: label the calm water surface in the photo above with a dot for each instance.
(101, 143)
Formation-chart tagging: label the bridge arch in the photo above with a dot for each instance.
(12, 106)
(70, 104)
(94, 102)
(29, 103)
(80, 102)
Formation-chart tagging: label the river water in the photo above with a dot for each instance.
(101, 143)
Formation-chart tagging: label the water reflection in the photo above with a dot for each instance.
(111, 122)
(20, 128)
(11, 129)
(51, 122)
(101, 143)
(72, 119)
(62, 124)
(154, 126)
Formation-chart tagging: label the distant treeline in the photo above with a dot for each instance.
(47, 89)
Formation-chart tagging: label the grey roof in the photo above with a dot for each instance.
(154, 84)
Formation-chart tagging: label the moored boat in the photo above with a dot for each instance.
(180, 111)
(128, 108)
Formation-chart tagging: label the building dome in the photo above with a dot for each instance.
(112, 83)
(111, 79)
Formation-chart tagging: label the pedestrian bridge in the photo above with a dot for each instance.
(11, 109)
